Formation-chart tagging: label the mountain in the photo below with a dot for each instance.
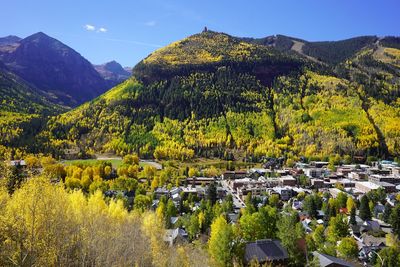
(113, 72)
(9, 40)
(53, 67)
(215, 95)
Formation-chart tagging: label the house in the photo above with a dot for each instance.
(391, 199)
(330, 261)
(306, 225)
(379, 208)
(266, 251)
(173, 220)
(233, 217)
(17, 163)
(297, 205)
(161, 191)
(175, 236)
(285, 193)
(373, 226)
(369, 245)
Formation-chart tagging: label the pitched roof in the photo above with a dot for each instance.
(326, 260)
(265, 250)
(370, 240)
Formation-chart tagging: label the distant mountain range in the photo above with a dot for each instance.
(47, 65)
(113, 72)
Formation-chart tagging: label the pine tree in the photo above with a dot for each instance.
(387, 213)
(365, 212)
(353, 216)
(395, 220)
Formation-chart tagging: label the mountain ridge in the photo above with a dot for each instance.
(53, 66)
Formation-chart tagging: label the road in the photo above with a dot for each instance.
(237, 202)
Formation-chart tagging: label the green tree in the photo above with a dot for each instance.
(352, 220)
(365, 212)
(310, 206)
(395, 219)
(131, 159)
(193, 227)
(337, 229)
(289, 232)
(259, 225)
(341, 199)
(390, 257)
(348, 248)
(319, 236)
(273, 200)
(387, 213)
(220, 244)
(142, 202)
(212, 193)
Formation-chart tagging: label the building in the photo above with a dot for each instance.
(319, 164)
(330, 261)
(345, 183)
(285, 193)
(287, 181)
(200, 180)
(229, 175)
(317, 183)
(378, 178)
(17, 163)
(357, 175)
(314, 172)
(254, 190)
(365, 187)
(266, 251)
(175, 236)
(389, 188)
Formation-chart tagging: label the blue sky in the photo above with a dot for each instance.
(128, 31)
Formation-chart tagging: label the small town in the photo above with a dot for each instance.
(290, 189)
(361, 200)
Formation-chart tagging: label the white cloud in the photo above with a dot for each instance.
(151, 23)
(102, 29)
(90, 27)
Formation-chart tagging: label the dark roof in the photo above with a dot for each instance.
(326, 260)
(265, 250)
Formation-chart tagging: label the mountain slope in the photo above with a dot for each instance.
(328, 52)
(55, 68)
(214, 95)
(17, 96)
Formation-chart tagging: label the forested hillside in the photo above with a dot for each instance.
(214, 95)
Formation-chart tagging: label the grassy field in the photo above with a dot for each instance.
(115, 162)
